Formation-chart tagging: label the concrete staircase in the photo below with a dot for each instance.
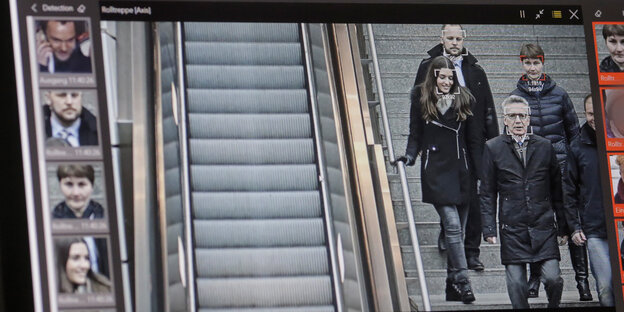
(400, 49)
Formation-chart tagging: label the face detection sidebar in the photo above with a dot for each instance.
(64, 113)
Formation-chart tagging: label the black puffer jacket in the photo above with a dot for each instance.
(607, 65)
(447, 148)
(552, 113)
(528, 199)
(582, 191)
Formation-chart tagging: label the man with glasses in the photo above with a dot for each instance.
(523, 172)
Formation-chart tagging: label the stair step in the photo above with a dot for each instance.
(487, 281)
(512, 65)
(500, 301)
(403, 84)
(490, 256)
(475, 31)
(482, 46)
(398, 105)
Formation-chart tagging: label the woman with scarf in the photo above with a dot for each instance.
(445, 130)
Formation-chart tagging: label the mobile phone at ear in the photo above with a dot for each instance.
(41, 36)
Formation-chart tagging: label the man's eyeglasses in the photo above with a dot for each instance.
(514, 116)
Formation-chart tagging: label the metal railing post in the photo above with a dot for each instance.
(402, 174)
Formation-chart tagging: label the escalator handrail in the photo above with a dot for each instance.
(402, 174)
(316, 124)
(184, 172)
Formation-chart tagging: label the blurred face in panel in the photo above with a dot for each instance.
(615, 104)
(615, 45)
(78, 263)
(62, 38)
(77, 192)
(66, 105)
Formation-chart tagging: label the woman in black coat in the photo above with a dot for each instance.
(445, 131)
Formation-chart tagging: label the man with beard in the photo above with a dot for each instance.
(552, 117)
(67, 121)
(473, 77)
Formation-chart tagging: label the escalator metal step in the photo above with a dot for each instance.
(250, 101)
(258, 228)
(261, 262)
(249, 126)
(259, 233)
(265, 292)
(251, 152)
(259, 205)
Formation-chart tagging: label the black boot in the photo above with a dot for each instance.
(534, 280)
(578, 255)
(441, 239)
(452, 291)
(465, 289)
(459, 291)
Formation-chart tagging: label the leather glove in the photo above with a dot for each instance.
(407, 160)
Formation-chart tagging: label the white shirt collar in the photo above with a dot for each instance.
(57, 129)
(520, 139)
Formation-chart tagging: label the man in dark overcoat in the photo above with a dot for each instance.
(523, 171)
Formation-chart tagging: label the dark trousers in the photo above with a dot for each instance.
(473, 230)
(473, 239)
(518, 288)
(454, 220)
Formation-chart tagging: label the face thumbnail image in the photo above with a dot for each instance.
(70, 117)
(610, 46)
(63, 46)
(613, 100)
(82, 265)
(76, 191)
(616, 165)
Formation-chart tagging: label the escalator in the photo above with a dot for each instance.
(242, 143)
